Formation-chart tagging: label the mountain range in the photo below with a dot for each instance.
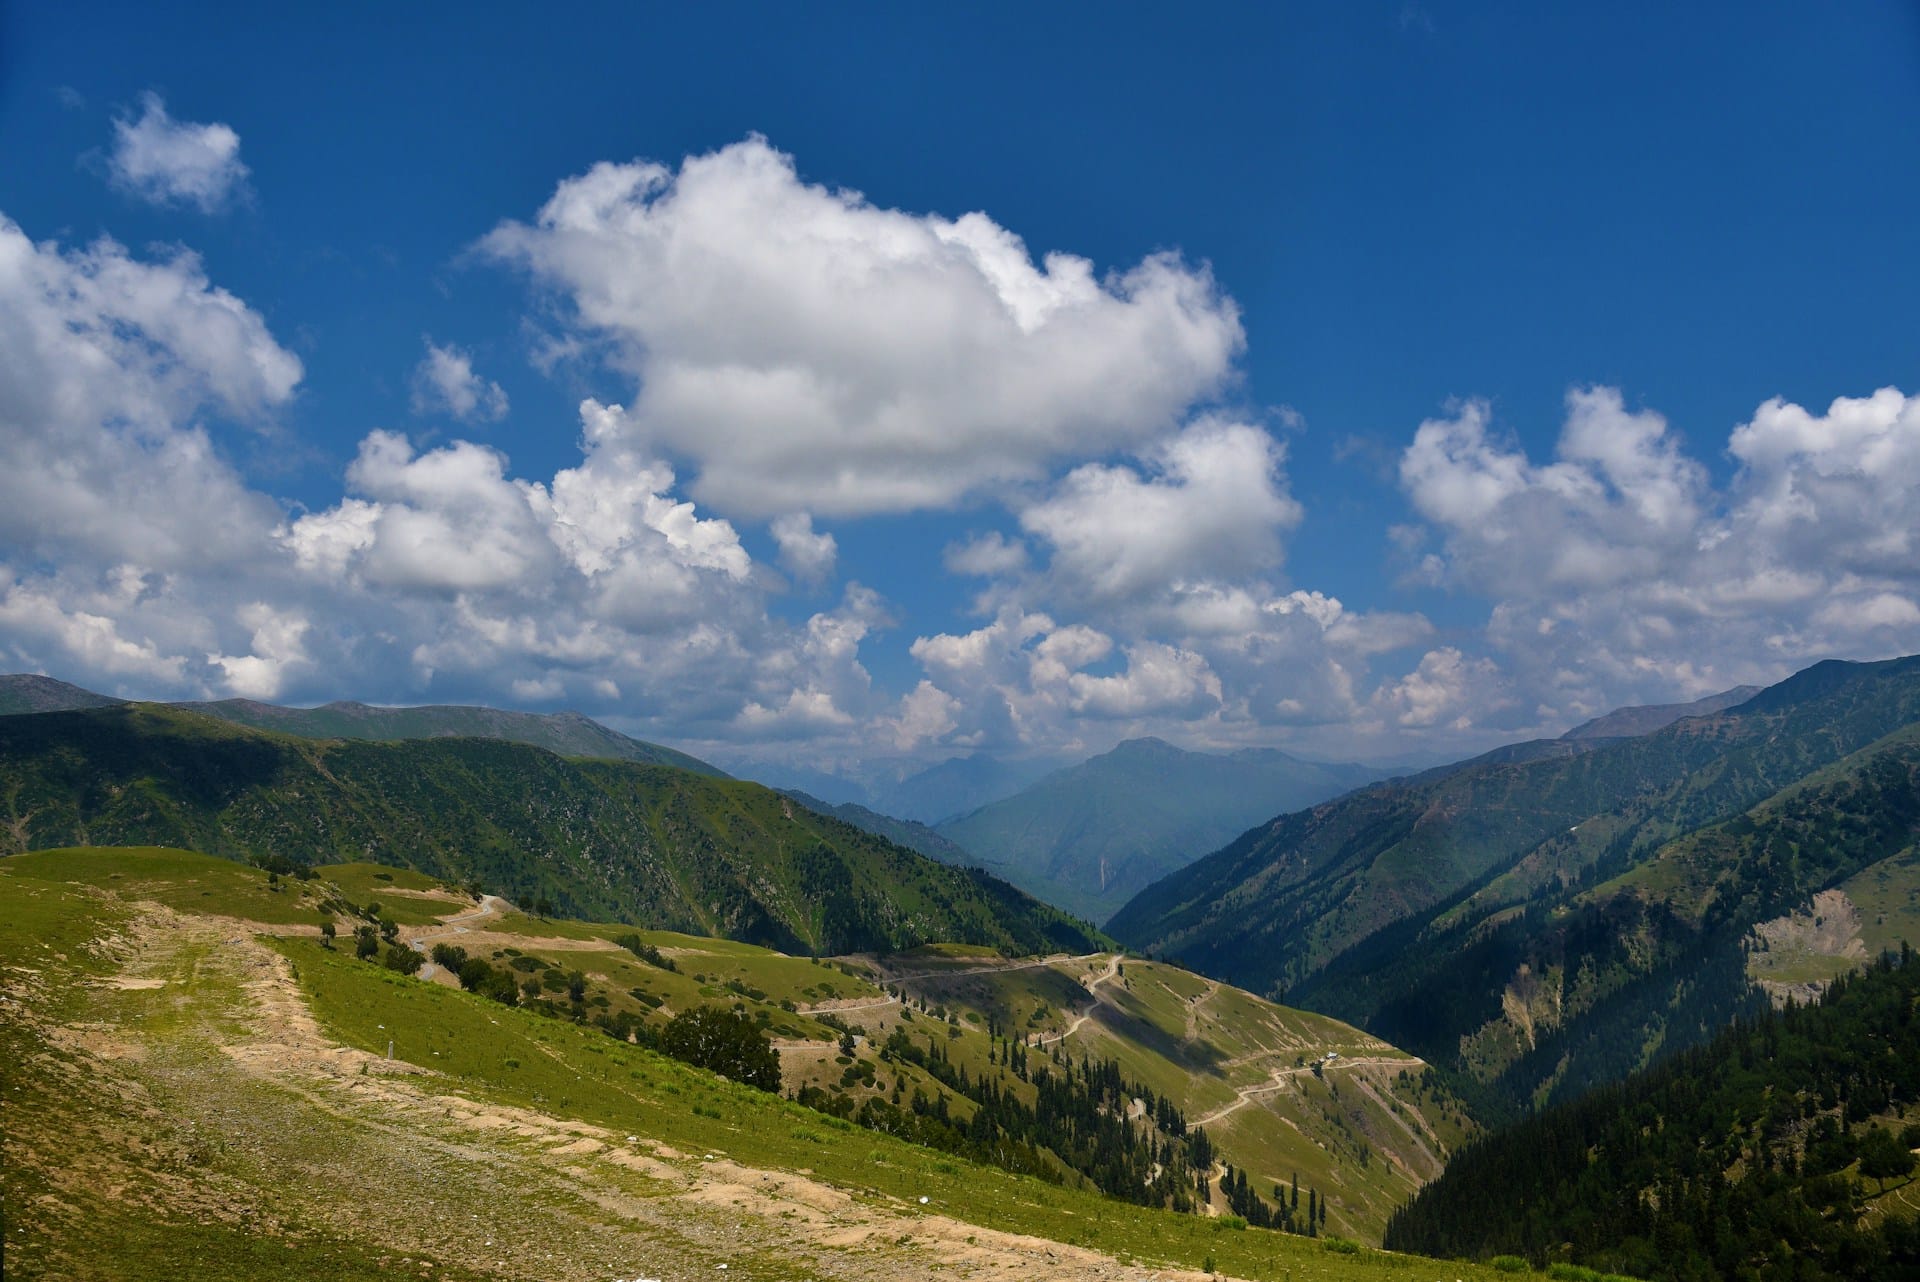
(567, 733)
(1552, 916)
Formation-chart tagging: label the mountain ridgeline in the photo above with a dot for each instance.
(1091, 836)
(1544, 922)
(568, 733)
(651, 845)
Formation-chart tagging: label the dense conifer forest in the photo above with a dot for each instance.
(1781, 1149)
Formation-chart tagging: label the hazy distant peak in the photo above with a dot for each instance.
(1628, 723)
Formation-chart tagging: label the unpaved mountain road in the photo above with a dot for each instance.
(1282, 1079)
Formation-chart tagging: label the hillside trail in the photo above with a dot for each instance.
(962, 970)
(1193, 1009)
(1282, 1079)
(844, 1005)
(490, 908)
(1111, 972)
(294, 1121)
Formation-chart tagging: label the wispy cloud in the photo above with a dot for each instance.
(174, 162)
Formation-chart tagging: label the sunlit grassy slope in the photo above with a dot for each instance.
(197, 1088)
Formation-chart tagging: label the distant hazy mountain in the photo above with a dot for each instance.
(1090, 837)
(25, 692)
(1623, 723)
(568, 733)
(955, 787)
(901, 832)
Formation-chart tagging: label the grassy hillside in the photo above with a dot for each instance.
(219, 1097)
(1546, 924)
(621, 841)
(1090, 837)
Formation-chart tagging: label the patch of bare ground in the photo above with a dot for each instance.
(199, 1085)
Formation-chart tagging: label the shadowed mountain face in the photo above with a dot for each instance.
(1550, 919)
(568, 733)
(652, 845)
(1090, 837)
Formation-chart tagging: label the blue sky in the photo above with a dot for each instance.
(864, 387)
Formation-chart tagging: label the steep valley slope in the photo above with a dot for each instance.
(1545, 921)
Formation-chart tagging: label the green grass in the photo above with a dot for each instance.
(364, 883)
(512, 1057)
(179, 879)
(517, 1058)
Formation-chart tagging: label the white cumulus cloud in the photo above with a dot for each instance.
(1213, 507)
(1619, 572)
(807, 350)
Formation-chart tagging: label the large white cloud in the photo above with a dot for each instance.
(134, 556)
(807, 350)
(1172, 563)
(105, 362)
(174, 162)
(1619, 571)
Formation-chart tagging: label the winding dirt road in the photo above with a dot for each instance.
(490, 908)
(1282, 1079)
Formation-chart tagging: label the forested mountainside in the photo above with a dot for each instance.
(567, 733)
(1089, 837)
(651, 845)
(1783, 1148)
(1546, 925)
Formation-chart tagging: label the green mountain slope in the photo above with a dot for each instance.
(1090, 837)
(1547, 924)
(1780, 1149)
(199, 1087)
(614, 840)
